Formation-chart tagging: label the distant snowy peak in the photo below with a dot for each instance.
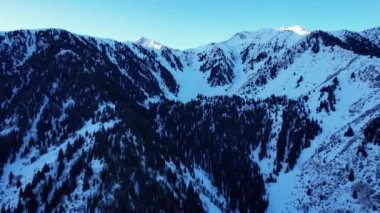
(296, 29)
(148, 43)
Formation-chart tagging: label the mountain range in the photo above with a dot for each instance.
(274, 120)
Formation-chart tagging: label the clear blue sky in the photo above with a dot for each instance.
(185, 23)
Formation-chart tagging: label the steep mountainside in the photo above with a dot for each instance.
(272, 120)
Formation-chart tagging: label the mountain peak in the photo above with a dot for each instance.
(148, 43)
(296, 29)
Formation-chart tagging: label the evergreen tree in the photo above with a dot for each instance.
(20, 207)
(349, 132)
(335, 81)
(361, 151)
(69, 151)
(60, 155)
(192, 203)
(309, 191)
(351, 176)
(372, 131)
(32, 205)
(46, 189)
(354, 194)
(28, 192)
(60, 168)
(45, 169)
(18, 183)
(86, 185)
(10, 178)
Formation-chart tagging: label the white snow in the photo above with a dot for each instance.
(63, 52)
(296, 29)
(91, 127)
(97, 166)
(145, 42)
(355, 97)
(6, 131)
(104, 106)
(280, 193)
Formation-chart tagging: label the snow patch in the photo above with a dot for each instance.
(148, 43)
(296, 29)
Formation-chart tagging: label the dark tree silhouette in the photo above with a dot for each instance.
(349, 132)
(351, 176)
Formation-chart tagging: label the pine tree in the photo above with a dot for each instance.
(10, 178)
(32, 205)
(60, 168)
(20, 207)
(361, 151)
(335, 81)
(309, 191)
(192, 203)
(372, 131)
(354, 194)
(18, 183)
(45, 169)
(351, 176)
(349, 132)
(28, 192)
(46, 189)
(86, 185)
(60, 155)
(69, 151)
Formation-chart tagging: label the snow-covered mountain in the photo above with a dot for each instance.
(282, 120)
(148, 43)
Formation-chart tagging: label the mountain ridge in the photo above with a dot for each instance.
(271, 103)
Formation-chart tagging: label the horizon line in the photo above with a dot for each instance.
(181, 49)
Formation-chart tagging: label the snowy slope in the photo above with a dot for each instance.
(287, 61)
(303, 72)
(249, 57)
